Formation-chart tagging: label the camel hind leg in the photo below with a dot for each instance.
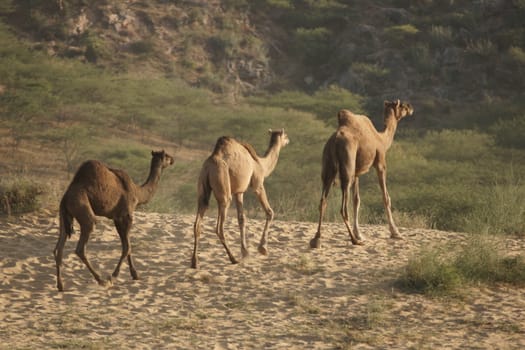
(222, 213)
(87, 224)
(241, 219)
(328, 175)
(65, 230)
(356, 200)
(202, 207)
(347, 178)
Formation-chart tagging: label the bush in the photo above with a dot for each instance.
(509, 133)
(500, 208)
(141, 47)
(324, 103)
(439, 271)
(19, 196)
(430, 272)
(313, 45)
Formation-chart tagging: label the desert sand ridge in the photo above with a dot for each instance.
(338, 297)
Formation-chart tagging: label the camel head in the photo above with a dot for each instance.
(162, 157)
(279, 136)
(399, 109)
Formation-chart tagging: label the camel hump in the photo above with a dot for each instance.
(221, 143)
(88, 171)
(344, 117)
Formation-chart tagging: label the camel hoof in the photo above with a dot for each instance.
(396, 236)
(358, 242)
(234, 261)
(315, 243)
(107, 283)
(60, 287)
(194, 264)
(245, 253)
(263, 250)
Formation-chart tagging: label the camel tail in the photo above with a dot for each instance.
(66, 220)
(204, 187)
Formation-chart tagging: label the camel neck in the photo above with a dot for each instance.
(148, 188)
(390, 128)
(271, 156)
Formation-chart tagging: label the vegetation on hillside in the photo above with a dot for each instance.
(239, 67)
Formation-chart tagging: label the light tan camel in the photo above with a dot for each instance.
(229, 171)
(97, 190)
(350, 152)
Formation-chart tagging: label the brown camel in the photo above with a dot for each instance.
(97, 190)
(350, 152)
(229, 171)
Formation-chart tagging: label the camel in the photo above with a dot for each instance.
(229, 171)
(350, 152)
(97, 190)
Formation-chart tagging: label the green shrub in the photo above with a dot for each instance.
(19, 196)
(324, 103)
(444, 270)
(500, 208)
(509, 133)
(141, 47)
(312, 44)
(430, 272)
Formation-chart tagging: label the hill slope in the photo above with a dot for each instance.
(112, 80)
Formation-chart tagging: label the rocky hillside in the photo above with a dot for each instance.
(441, 53)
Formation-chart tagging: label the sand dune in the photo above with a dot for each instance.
(338, 297)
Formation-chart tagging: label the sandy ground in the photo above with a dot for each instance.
(338, 297)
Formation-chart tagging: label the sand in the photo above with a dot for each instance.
(338, 297)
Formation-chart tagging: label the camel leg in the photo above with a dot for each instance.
(223, 210)
(86, 227)
(263, 199)
(58, 253)
(381, 174)
(327, 185)
(356, 200)
(241, 218)
(197, 233)
(123, 226)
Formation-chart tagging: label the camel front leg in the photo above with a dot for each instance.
(241, 218)
(263, 199)
(123, 226)
(381, 174)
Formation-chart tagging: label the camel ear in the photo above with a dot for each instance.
(398, 103)
(270, 131)
(386, 103)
